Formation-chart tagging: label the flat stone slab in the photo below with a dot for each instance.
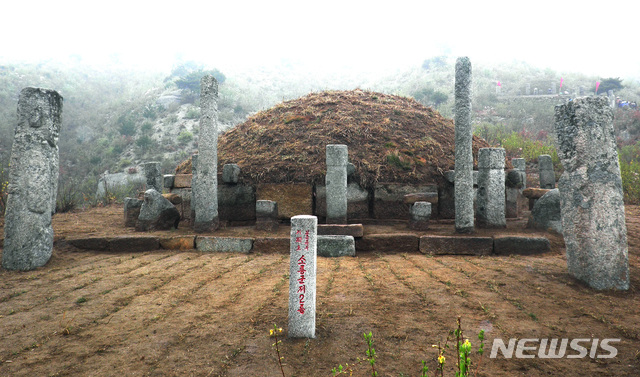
(90, 243)
(431, 197)
(452, 245)
(508, 245)
(133, 244)
(178, 243)
(224, 244)
(271, 245)
(336, 246)
(354, 230)
(389, 243)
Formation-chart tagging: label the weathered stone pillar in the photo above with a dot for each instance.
(420, 213)
(464, 153)
(206, 188)
(153, 175)
(194, 180)
(33, 180)
(491, 186)
(302, 276)
(520, 165)
(337, 156)
(547, 175)
(516, 182)
(591, 196)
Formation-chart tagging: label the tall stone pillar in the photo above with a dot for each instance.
(206, 188)
(463, 153)
(545, 169)
(336, 182)
(592, 209)
(153, 175)
(491, 188)
(33, 180)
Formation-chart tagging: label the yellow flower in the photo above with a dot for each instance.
(441, 359)
(271, 332)
(279, 329)
(467, 343)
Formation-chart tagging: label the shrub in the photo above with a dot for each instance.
(630, 174)
(144, 142)
(192, 113)
(185, 137)
(126, 125)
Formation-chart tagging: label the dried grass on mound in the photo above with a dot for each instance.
(390, 139)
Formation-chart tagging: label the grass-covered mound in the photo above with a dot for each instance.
(390, 139)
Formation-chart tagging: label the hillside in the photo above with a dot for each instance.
(390, 139)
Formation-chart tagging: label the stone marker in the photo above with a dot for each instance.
(153, 175)
(520, 165)
(337, 157)
(230, 173)
(420, 213)
(545, 214)
(266, 215)
(131, 211)
(33, 180)
(168, 181)
(157, 213)
(513, 188)
(591, 196)
(491, 186)
(302, 277)
(463, 152)
(205, 189)
(547, 175)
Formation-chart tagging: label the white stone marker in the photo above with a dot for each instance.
(491, 186)
(302, 277)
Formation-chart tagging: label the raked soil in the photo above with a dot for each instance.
(188, 313)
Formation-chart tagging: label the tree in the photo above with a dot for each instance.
(610, 83)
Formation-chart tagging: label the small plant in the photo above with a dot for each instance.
(274, 333)
(185, 137)
(371, 353)
(66, 324)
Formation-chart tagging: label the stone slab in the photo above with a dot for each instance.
(133, 244)
(98, 243)
(224, 244)
(389, 243)
(510, 245)
(293, 198)
(456, 245)
(182, 181)
(431, 197)
(178, 243)
(354, 230)
(389, 199)
(336, 246)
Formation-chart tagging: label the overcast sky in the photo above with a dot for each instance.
(599, 38)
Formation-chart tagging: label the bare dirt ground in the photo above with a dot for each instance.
(173, 313)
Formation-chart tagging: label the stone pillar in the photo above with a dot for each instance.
(266, 215)
(131, 211)
(463, 153)
(528, 89)
(302, 276)
(513, 188)
(591, 196)
(33, 180)
(420, 213)
(206, 188)
(194, 183)
(153, 175)
(336, 182)
(230, 173)
(520, 165)
(545, 169)
(491, 186)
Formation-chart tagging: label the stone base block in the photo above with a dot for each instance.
(98, 244)
(389, 243)
(354, 230)
(224, 244)
(182, 181)
(507, 245)
(451, 245)
(133, 244)
(336, 246)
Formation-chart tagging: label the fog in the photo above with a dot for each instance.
(324, 37)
